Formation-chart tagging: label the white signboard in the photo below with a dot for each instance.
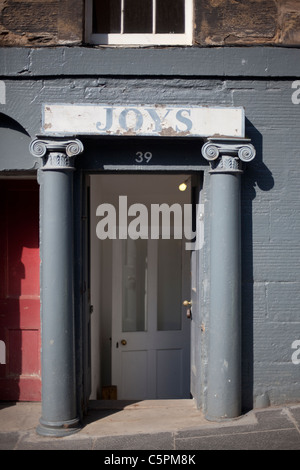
(136, 120)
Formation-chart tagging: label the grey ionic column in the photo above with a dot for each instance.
(226, 157)
(59, 410)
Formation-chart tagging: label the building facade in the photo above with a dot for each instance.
(114, 281)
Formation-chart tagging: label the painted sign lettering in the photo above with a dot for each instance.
(136, 120)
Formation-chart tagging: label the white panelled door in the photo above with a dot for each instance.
(150, 330)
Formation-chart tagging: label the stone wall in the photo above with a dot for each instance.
(37, 23)
(217, 22)
(247, 22)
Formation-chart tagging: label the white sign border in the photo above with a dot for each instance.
(59, 119)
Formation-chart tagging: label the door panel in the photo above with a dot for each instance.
(150, 334)
(19, 291)
(131, 363)
(169, 373)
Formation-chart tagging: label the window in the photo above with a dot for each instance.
(139, 22)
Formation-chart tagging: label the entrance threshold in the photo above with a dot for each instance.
(140, 404)
(125, 417)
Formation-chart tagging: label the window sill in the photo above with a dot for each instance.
(150, 61)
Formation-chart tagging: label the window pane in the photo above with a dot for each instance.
(169, 285)
(134, 285)
(106, 16)
(170, 16)
(138, 16)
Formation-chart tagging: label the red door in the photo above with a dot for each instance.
(20, 369)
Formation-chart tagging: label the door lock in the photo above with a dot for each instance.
(188, 303)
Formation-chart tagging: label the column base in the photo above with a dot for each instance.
(218, 419)
(59, 428)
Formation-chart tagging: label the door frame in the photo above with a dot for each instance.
(197, 178)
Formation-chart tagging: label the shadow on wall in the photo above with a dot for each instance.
(14, 146)
(256, 176)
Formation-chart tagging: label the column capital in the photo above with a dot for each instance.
(228, 154)
(57, 154)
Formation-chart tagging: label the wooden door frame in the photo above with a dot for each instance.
(197, 181)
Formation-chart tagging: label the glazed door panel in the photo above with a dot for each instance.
(150, 332)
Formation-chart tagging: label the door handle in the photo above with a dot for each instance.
(188, 303)
(123, 342)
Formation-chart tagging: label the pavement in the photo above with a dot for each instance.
(163, 426)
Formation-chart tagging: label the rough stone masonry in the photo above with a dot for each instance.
(217, 22)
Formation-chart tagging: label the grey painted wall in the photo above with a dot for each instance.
(270, 184)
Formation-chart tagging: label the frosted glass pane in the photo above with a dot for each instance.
(169, 285)
(134, 285)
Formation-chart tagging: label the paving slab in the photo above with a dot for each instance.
(20, 416)
(287, 439)
(159, 425)
(144, 417)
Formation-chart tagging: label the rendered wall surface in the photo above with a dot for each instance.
(270, 185)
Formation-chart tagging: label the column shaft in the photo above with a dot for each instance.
(59, 406)
(59, 415)
(224, 360)
(226, 157)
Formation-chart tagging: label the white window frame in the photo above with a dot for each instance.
(147, 39)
